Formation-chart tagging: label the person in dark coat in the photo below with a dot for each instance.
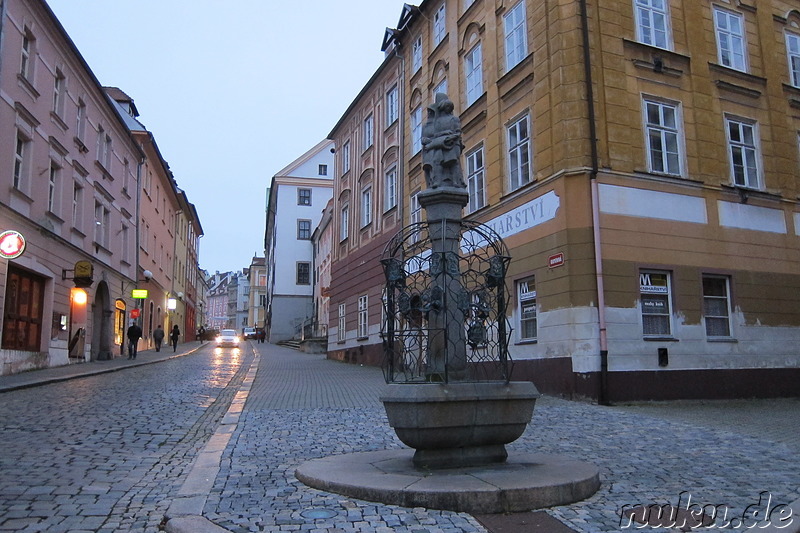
(134, 334)
(174, 335)
(158, 337)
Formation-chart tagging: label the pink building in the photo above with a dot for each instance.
(69, 169)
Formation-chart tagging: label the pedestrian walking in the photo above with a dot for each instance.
(262, 335)
(173, 337)
(134, 334)
(201, 333)
(158, 337)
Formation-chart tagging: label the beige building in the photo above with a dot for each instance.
(641, 160)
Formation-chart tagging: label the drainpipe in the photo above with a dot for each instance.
(598, 256)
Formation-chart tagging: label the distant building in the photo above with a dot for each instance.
(257, 278)
(296, 198)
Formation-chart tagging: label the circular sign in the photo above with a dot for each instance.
(12, 244)
(135, 313)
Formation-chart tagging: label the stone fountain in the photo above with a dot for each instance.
(449, 396)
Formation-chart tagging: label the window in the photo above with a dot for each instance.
(77, 205)
(52, 188)
(341, 333)
(125, 240)
(104, 148)
(474, 74)
(303, 273)
(22, 310)
(416, 130)
(441, 87)
(519, 168)
(390, 189)
(730, 39)
(652, 22)
(344, 230)
(416, 54)
(526, 304)
(716, 306)
(346, 157)
(793, 52)
(27, 55)
(303, 196)
(416, 215)
(516, 39)
(101, 221)
(438, 25)
(392, 109)
(475, 182)
(363, 316)
(366, 207)
(21, 162)
(323, 170)
(368, 131)
(80, 129)
(59, 93)
(655, 294)
(663, 142)
(304, 230)
(743, 153)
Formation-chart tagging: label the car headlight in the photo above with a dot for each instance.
(236, 340)
(219, 340)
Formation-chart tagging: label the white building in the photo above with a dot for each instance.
(296, 198)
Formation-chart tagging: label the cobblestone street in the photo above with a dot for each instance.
(110, 452)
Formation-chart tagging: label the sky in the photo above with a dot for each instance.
(233, 91)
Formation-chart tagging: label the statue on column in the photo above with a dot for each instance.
(441, 146)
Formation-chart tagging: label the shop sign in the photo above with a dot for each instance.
(12, 244)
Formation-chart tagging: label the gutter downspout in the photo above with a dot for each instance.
(598, 255)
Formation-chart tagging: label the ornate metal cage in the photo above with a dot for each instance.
(445, 311)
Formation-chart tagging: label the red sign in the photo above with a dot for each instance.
(556, 260)
(12, 244)
(135, 313)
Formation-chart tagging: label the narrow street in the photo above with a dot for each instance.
(103, 453)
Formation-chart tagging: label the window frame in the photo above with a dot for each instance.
(793, 57)
(303, 198)
(59, 93)
(646, 275)
(518, 149)
(53, 185)
(515, 38)
(344, 223)
(22, 162)
(366, 206)
(664, 131)
(648, 34)
(27, 55)
(416, 130)
(720, 33)
(363, 316)
(753, 149)
(476, 179)
(726, 297)
(303, 229)
(473, 74)
(416, 54)
(529, 298)
(303, 271)
(392, 105)
(390, 188)
(341, 333)
(322, 169)
(369, 131)
(439, 28)
(346, 157)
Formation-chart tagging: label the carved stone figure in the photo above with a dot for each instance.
(441, 146)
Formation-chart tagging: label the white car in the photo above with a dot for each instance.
(228, 337)
(249, 333)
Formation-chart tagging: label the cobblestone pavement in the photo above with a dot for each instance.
(105, 453)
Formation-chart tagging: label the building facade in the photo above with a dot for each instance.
(296, 198)
(257, 305)
(641, 160)
(369, 208)
(69, 169)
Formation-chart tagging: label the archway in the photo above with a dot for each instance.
(102, 324)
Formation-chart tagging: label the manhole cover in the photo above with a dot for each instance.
(318, 513)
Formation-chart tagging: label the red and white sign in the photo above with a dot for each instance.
(135, 313)
(556, 260)
(12, 244)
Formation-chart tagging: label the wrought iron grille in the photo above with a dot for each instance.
(445, 311)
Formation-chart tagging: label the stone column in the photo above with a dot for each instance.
(446, 331)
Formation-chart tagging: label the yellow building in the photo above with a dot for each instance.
(641, 160)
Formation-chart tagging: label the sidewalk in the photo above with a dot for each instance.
(35, 378)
